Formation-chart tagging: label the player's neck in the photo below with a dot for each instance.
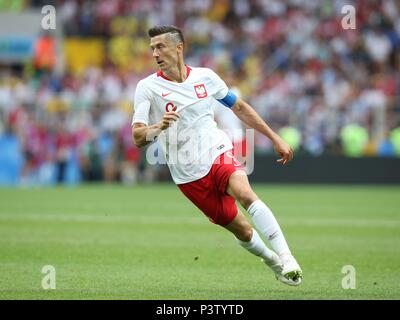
(177, 74)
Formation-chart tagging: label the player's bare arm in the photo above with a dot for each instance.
(250, 117)
(143, 135)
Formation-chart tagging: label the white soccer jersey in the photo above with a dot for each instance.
(192, 143)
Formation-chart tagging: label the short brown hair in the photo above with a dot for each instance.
(157, 30)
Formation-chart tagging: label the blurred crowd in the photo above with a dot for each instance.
(292, 60)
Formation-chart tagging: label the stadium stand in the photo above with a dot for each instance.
(66, 114)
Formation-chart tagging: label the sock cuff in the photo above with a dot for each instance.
(256, 246)
(248, 243)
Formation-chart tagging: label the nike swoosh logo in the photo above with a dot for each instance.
(165, 94)
(273, 235)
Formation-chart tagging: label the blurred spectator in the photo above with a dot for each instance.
(90, 161)
(395, 140)
(291, 136)
(354, 140)
(64, 142)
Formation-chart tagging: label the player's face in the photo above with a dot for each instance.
(165, 51)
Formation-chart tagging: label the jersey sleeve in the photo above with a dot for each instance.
(141, 105)
(220, 87)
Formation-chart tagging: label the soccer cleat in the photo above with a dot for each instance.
(291, 269)
(277, 267)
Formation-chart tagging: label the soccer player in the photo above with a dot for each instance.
(174, 105)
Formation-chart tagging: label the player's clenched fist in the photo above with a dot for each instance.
(168, 119)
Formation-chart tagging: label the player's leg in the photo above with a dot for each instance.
(264, 220)
(239, 188)
(221, 209)
(249, 239)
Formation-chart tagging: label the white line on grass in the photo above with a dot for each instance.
(170, 219)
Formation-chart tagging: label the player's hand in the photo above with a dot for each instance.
(284, 150)
(168, 119)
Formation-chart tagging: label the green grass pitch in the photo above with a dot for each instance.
(149, 242)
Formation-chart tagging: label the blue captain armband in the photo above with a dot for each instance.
(229, 100)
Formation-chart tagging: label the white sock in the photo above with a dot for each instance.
(266, 223)
(256, 246)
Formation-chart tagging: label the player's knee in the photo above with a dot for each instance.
(246, 198)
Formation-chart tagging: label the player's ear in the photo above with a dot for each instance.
(179, 46)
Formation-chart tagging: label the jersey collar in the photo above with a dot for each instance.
(162, 75)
